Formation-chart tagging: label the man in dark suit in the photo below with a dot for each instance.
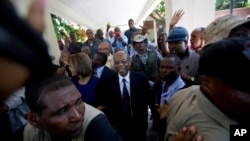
(104, 73)
(126, 100)
(98, 63)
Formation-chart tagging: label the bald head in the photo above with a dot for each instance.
(122, 63)
(122, 53)
(199, 30)
(104, 47)
(197, 40)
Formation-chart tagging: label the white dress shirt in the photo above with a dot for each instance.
(127, 83)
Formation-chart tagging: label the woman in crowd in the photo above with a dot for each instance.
(80, 66)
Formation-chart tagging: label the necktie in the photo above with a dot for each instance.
(125, 97)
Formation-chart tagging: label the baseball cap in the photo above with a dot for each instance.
(228, 60)
(221, 27)
(178, 34)
(139, 38)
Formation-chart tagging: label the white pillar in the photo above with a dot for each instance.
(50, 38)
(155, 31)
(198, 13)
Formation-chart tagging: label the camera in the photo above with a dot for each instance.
(117, 34)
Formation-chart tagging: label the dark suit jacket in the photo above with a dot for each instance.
(101, 88)
(107, 74)
(129, 129)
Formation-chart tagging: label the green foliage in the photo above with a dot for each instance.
(160, 12)
(220, 5)
(160, 8)
(225, 4)
(60, 24)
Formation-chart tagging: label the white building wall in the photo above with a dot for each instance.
(198, 13)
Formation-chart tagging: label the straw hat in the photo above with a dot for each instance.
(221, 27)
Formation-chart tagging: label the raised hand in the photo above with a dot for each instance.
(144, 30)
(176, 17)
(108, 27)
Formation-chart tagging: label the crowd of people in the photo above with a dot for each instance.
(191, 85)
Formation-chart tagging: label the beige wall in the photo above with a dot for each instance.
(50, 37)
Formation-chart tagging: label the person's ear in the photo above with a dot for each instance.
(33, 119)
(205, 82)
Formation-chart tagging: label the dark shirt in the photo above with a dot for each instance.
(129, 33)
(93, 47)
(74, 48)
(5, 127)
(101, 130)
(185, 54)
(87, 90)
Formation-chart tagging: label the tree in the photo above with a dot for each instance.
(61, 24)
(159, 13)
(225, 4)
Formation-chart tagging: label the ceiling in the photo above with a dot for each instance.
(95, 14)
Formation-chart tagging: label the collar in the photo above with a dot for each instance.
(126, 77)
(186, 53)
(144, 55)
(94, 40)
(132, 29)
(100, 69)
(110, 57)
(177, 84)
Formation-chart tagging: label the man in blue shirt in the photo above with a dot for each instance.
(170, 77)
(131, 30)
(169, 82)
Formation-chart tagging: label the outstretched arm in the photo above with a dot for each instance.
(176, 17)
